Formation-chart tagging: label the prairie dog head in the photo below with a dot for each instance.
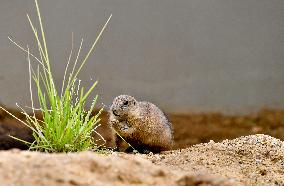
(123, 106)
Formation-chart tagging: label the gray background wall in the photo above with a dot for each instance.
(184, 55)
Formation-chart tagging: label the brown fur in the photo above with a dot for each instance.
(142, 124)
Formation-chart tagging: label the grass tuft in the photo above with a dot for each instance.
(66, 125)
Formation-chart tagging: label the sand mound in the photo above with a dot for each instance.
(249, 160)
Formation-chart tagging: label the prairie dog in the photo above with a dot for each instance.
(142, 124)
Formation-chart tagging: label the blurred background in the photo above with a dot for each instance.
(186, 55)
(212, 65)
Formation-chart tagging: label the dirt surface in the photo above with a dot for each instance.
(194, 128)
(10, 126)
(249, 160)
(189, 129)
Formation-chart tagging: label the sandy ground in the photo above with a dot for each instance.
(189, 129)
(197, 160)
(248, 160)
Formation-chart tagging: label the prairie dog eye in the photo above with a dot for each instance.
(125, 103)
